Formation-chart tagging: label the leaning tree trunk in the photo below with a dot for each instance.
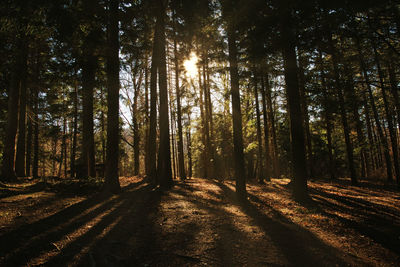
(111, 175)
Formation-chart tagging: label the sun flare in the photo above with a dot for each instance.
(191, 65)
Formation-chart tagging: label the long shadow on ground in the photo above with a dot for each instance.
(379, 222)
(69, 235)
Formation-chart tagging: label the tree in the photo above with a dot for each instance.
(293, 96)
(111, 175)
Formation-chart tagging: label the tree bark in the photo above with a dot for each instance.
(382, 137)
(111, 175)
(260, 165)
(328, 117)
(293, 98)
(343, 112)
(236, 114)
(7, 169)
(392, 132)
(306, 117)
(21, 143)
(266, 132)
(164, 170)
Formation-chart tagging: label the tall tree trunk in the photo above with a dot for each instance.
(147, 116)
(266, 131)
(35, 164)
(360, 135)
(74, 131)
(394, 89)
(88, 83)
(29, 135)
(7, 169)
(21, 143)
(392, 132)
(164, 170)
(260, 165)
(189, 148)
(152, 141)
(271, 116)
(236, 114)
(111, 175)
(136, 135)
(306, 117)
(63, 146)
(328, 117)
(382, 137)
(203, 128)
(293, 98)
(181, 156)
(207, 117)
(172, 135)
(211, 150)
(372, 146)
(103, 126)
(343, 112)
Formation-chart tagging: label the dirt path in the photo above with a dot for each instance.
(200, 222)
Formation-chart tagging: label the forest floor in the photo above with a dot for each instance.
(198, 222)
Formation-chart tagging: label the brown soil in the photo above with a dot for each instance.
(198, 222)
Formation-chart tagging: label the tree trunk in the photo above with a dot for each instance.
(293, 99)
(382, 137)
(266, 132)
(152, 141)
(394, 89)
(164, 170)
(392, 132)
(189, 148)
(29, 135)
(203, 128)
(75, 131)
(304, 107)
(147, 116)
(271, 116)
(260, 165)
(236, 114)
(181, 156)
(21, 143)
(35, 165)
(111, 175)
(328, 118)
(7, 169)
(356, 116)
(88, 84)
(136, 135)
(343, 113)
